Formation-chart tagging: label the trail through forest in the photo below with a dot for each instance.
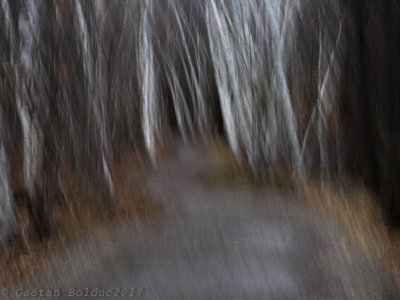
(217, 242)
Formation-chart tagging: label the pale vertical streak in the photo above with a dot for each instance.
(279, 36)
(146, 75)
(221, 76)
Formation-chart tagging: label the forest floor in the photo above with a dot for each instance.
(79, 217)
(356, 209)
(196, 227)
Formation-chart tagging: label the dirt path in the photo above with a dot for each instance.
(221, 243)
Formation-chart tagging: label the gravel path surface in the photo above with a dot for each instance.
(241, 242)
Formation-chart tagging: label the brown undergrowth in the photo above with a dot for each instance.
(224, 170)
(80, 215)
(359, 212)
(356, 208)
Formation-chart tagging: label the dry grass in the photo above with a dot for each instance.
(78, 217)
(357, 210)
(224, 169)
